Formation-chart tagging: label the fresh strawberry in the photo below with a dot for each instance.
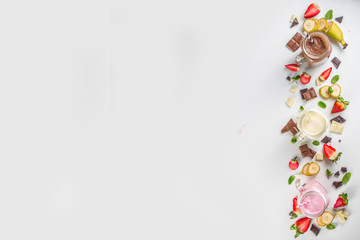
(296, 208)
(301, 226)
(305, 78)
(312, 10)
(342, 200)
(293, 164)
(331, 154)
(339, 105)
(325, 75)
(293, 67)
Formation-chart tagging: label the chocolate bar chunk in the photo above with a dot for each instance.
(312, 153)
(294, 23)
(315, 229)
(310, 94)
(338, 119)
(326, 140)
(288, 78)
(302, 91)
(337, 174)
(344, 169)
(295, 41)
(337, 184)
(336, 62)
(306, 151)
(339, 19)
(290, 126)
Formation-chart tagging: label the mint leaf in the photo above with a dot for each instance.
(291, 179)
(293, 227)
(335, 79)
(331, 226)
(322, 104)
(330, 90)
(301, 108)
(328, 173)
(316, 143)
(329, 15)
(294, 140)
(297, 77)
(346, 178)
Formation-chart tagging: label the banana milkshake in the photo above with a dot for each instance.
(312, 124)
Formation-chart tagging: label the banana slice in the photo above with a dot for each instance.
(327, 217)
(313, 168)
(324, 92)
(319, 222)
(310, 25)
(336, 90)
(323, 24)
(305, 169)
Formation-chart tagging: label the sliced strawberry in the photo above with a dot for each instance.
(293, 67)
(339, 105)
(342, 200)
(305, 78)
(325, 75)
(301, 226)
(331, 154)
(312, 10)
(293, 164)
(296, 208)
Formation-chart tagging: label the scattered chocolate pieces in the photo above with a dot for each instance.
(337, 184)
(310, 94)
(326, 140)
(339, 19)
(344, 169)
(294, 23)
(338, 119)
(288, 78)
(302, 91)
(290, 126)
(336, 62)
(306, 151)
(315, 229)
(337, 174)
(295, 41)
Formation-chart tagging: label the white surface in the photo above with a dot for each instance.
(122, 120)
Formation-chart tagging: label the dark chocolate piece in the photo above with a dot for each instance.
(338, 119)
(294, 23)
(288, 78)
(326, 140)
(337, 174)
(302, 91)
(310, 94)
(343, 169)
(339, 140)
(295, 41)
(337, 184)
(345, 45)
(290, 126)
(339, 19)
(336, 62)
(315, 229)
(312, 153)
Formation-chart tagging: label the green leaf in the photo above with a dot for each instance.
(335, 79)
(293, 139)
(293, 227)
(301, 108)
(328, 173)
(346, 178)
(291, 179)
(322, 104)
(297, 77)
(331, 226)
(316, 143)
(293, 215)
(329, 15)
(330, 90)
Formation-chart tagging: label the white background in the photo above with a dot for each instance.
(158, 119)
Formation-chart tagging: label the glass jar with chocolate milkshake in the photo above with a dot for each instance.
(316, 49)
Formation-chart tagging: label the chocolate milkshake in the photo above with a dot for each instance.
(316, 49)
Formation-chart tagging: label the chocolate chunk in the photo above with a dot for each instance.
(344, 169)
(345, 45)
(326, 140)
(312, 153)
(337, 184)
(337, 174)
(315, 229)
(302, 91)
(294, 130)
(336, 62)
(294, 23)
(295, 41)
(339, 140)
(288, 78)
(290, 126)
(306, 151)
(338, 119)
(339, 19)
(310, 94)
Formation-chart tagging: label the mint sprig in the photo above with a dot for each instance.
(329, 15)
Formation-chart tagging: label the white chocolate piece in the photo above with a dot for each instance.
(318, 82)
(294, 89)
(342, 215)
(290, 101)
(293, 18)
(336, 127)
(319, 156)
